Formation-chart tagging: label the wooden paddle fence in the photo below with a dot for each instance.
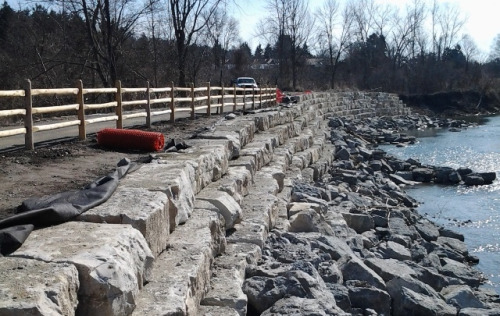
(128, 103)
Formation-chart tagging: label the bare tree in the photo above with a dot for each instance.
(158, 29)
(469, 49)
(288, 24)
(364, 18)
(299, 26)
(222, 32)
(495, 49)
(382, 18)
(406, 33)
(447, 22)
(335, 26)
(108, 24)
(189, 18)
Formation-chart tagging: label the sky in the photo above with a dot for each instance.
(483, 18)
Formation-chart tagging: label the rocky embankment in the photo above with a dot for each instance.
(354, 244)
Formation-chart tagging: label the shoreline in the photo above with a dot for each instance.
(358, 237)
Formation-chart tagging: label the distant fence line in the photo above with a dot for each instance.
(193, 100)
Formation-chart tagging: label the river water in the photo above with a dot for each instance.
(472, 211)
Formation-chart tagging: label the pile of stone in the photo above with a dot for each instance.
(392, 130)
(354, 244)
(354, 150)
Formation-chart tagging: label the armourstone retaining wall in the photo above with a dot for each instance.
(178, 233)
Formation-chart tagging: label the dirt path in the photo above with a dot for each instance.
(72, 165)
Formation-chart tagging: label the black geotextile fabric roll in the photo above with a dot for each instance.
(58, 208)
(131, 139)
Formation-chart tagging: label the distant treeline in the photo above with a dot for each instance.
(101, 41)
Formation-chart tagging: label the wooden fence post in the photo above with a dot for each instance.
(260, 97)
(192, 100)
(222, 103)
(28, 117)
(244, 99)
(119, 109)
(265, 96)
(234, 94)
(172, 103)
(253, 98)
(148, 106)
(209, 101)
(82, 129)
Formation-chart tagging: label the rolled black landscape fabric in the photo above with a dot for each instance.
(13, 237)
(131, 139)
(58, 208)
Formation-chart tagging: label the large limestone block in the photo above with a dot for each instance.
(263, 121)
(301, 159)
(222, 146)
(315, 152)
(270, 138)
(181, 274)
(113, 262)
(321, 167)
(249, 232)
(309, 220)
(205, 229)
(247, 162)
(237, 252)
(333, 217)
(225, 289)
(217, 311)
(177, 182)
(308, 175)
(261, 151)
(284, 132)
(225, 204)
(261, 207)
(297, 207)
(146, 211)
(269, 180)
(236, 183)
(244, 129)
(210, 162)
(236, 140)
(282, 222)
(303, 141)
(26, 283)
(286, 117)
(282, 158)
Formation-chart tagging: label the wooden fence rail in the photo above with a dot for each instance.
(138, 101)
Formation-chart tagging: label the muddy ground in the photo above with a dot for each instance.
(72, 165)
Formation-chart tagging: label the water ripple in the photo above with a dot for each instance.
(473, 211)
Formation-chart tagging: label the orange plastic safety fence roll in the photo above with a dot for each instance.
(130, 139)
